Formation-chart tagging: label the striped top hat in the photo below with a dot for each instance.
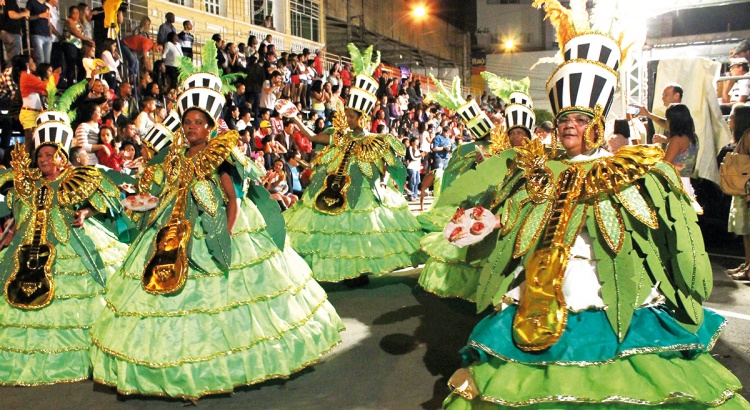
(46, 116)
(54, 133)
(204, 86)
(475, 118)
(362, 94)
(161, 135)
(587, 79)
(519, 113)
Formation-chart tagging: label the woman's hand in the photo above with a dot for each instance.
(498, 224)
(81, 215)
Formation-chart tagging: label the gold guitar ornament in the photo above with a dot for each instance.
(542, 314)
(30, 285)
(332, 198)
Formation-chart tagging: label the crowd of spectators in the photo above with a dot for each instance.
(132, 84)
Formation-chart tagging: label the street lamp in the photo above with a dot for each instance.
(418, 13)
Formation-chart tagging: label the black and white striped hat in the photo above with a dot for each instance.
(593, 47)
(207, 99)
(45, 116)
(476, 120)
(202, 80)
(582, 85)
(519, 97)
(54, 133)
(362, 94)
(161, 135)
(519, 116)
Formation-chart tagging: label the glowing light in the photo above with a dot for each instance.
(419, 11)
(509, 45)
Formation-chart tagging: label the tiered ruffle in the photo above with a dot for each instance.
(658, 364)
(51, 345)
(369, 237)
(446, 272)
(264, 318)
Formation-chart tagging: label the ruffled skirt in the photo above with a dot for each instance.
(370, 237)
(51, 344)
(658, 364)
(446, 272)
(263, 318)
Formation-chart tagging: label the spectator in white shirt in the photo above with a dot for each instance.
(172, 55)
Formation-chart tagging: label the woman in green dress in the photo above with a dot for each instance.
(352, 219)
(58, 259)
(598, 272)
(206, 299)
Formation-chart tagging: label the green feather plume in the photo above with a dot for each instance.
(51, 92)
(228, 80)
(208, 57)
(448, 99)
(70, 95)
(502, 87)
(186, 67)
(362, 63)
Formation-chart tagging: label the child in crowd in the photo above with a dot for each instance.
(108, 156)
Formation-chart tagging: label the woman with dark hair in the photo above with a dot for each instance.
(682, 146)
(87, 132)
(380, 120)
(620, 136)
(252, 46)
(172, 55)
(318, 98)
(739, 212)
(53, 295)
(211, 269)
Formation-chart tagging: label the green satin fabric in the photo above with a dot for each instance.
(51, 345)
(264, 318)
(660, 381)
(368, 237)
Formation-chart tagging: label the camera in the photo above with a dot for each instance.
(632, 109)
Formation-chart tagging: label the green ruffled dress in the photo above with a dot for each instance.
(623, 344)
(249, 310)
(447, 272)
(376, 233)
(51, 344)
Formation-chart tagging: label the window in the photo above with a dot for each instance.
(305, 15)
(261, 9)
(186, 3)
(492, 2)
(213, 7)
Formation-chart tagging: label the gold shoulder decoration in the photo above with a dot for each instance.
(146, 178)
(341, 126)
(376, 150)
(217, 151)
(23, 175)
(78, 184)
(616, 172)
(498, 141)
(532, 159)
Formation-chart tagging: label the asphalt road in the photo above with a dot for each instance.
(400, 346)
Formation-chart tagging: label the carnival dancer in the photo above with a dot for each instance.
(206, 301)
(58, 260)
(351, 219)
(447, 272)
(599, 270)
(488, 139)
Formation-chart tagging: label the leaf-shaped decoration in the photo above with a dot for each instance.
(204, 196)
(396, 145)
(532, 227)
(610, 222)
(217, 238)
(186, 68)
(77, 185)
(634, 202)
(356, 56)
(510, 216)
(10, 198)
(668, 171)
(59, 225)
(51, 93)
(388, 157)
(503, 87)
(24, 210)
(208, 58)
(366, 169)
(108, 188)
(325, 156)
(228, 81)
(577, 218)
(97, 201)
(334, 164)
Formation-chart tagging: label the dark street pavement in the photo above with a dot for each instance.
(400, 346)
